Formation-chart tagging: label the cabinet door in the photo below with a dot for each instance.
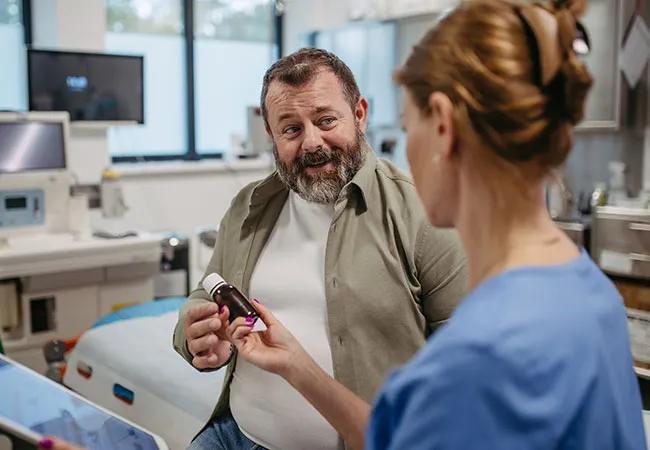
(603, 22)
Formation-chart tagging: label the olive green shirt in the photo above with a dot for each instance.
(390, 278)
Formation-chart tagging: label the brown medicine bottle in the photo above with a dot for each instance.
(225, 294)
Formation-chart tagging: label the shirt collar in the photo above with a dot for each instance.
(364, 178)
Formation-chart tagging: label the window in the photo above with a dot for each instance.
(154, 29)
(204, 62)
(233, 45)
(13, 94)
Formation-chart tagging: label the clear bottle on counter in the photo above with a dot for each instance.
(616, 193)
(599, 195)
(113, 205)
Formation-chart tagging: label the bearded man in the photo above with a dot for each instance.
(336, 244)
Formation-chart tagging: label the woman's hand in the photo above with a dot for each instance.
(275, 350)
(52, 443)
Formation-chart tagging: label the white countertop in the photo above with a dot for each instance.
(48, 252)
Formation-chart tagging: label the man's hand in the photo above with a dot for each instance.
(203, 329)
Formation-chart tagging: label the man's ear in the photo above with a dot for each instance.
(361, 114)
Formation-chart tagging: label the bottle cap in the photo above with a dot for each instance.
(211, 282)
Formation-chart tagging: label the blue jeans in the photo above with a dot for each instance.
(223, 434)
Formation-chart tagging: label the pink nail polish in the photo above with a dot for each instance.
(46, 443)
(250, 320)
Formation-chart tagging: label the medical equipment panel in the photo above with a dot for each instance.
(22, 208)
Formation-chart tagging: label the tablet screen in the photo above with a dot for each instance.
(47, 409)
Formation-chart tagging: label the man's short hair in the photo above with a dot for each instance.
(301, 67)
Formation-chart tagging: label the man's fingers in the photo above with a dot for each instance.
(202, 345)
(206, 362)
(224, 315)
(203, 327)
(199, 312)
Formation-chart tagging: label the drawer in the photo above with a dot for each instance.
(621, 242)
(623, 235)
(620, 263)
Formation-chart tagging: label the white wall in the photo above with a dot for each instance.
(304, 16)
(69, 24)
(180, 203)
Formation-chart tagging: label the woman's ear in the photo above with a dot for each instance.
(442, 113)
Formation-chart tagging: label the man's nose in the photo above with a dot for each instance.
(312, 138)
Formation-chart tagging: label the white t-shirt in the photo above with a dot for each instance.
(289, 279)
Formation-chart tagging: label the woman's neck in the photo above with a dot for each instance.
(508, 228)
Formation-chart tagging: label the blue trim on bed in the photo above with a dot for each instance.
(149, 309)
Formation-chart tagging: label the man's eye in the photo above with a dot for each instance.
(291, 130)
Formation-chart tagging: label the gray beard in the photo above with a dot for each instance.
(323, 187)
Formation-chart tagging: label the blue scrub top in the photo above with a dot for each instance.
(534, 358)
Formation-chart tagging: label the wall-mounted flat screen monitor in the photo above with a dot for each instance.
(89, 86)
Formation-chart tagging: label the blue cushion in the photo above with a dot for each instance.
(149, 309)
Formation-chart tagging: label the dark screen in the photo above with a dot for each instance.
(15, 202)
(88, 86)
(31, 146)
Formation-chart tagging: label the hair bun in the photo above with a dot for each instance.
(574, 75)
(576, 82)
(576, 7)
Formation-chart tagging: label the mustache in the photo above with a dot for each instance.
(319, 156)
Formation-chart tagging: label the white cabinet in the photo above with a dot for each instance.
(58, 292)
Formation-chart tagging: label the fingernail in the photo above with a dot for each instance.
(250, 320)
(220, 309)
(257, 301)
(46, 443)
